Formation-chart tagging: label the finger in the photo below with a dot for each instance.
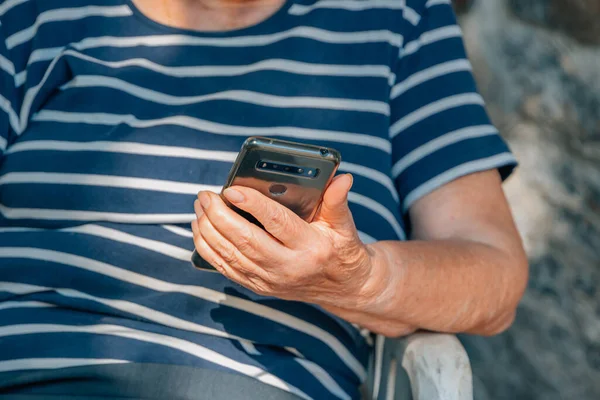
(250, 239)
(277, 219)
(226, 250)
(334, 210)
(250, 281)
(195, 227)
(198, 209)
(210, 256)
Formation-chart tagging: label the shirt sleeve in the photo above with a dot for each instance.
(8, 117)
(439, 128)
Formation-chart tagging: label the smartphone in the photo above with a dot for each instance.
(293, 174)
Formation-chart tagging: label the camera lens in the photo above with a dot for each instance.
(286, 169)
(324, 152)
(300, 170)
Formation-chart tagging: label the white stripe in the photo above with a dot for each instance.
(379, 209)
(23, 364)
(195, 291)
(325, 379)
(438, 143)
(13, 119)
(371, 174)
(7, 65)
(3, 144)
(431, 3)
(8, 4)
(74, 215)
(390, 387)
(348, 5)
(365, 333)
(291, 66)
(179, 231)
(183, 152)
(249, 347)
(45, 54)
(429, 37)
(429, 74)
(434, 108)
(391, 79)
(163, 340)
(143, 312)
(305, 32)
(125, 148)
(166, 249)
(24, 304)
(216, 128)
(64, 14)
(30, 96)
(20, 78)
(366, 239)
(294, 351)
(157, 185)
(377, 365)
(245, 96)
(454, 173)
(410, 15)
(148, 244)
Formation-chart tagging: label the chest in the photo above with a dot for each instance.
(260, 86)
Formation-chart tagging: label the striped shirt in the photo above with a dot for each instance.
(110, 123)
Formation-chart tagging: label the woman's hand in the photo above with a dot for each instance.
(465, 272)
(322, 262)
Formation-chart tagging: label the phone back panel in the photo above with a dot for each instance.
(301, 194)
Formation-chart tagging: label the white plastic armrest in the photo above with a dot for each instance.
(437, 367)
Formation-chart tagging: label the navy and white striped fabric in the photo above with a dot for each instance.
(110, 123)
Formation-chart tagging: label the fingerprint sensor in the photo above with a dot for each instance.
(277, 189)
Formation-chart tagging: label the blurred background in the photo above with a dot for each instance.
(537, 63)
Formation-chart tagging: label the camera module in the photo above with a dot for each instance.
(287, 169)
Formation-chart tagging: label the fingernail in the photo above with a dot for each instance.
(198, 208)
(234, 196)
(205, 200)
(351, 179)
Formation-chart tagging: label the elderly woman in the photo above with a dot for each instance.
(120, 118)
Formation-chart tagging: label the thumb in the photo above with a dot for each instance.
(334, 209)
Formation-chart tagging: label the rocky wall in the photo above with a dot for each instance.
(537, 63)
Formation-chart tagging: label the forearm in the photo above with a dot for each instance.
(445, 285)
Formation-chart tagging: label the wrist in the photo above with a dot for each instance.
(382, 287)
